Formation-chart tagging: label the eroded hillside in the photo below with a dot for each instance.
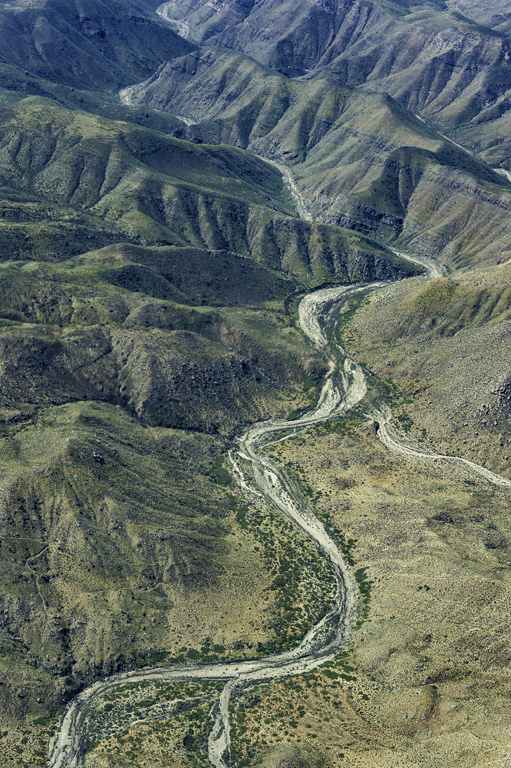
(360, 159)
(151, 264)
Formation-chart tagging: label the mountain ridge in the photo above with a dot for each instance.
(151, 263)
(362, 161)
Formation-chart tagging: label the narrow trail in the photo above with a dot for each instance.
(36, 576)
(503, 172)
(395, 441)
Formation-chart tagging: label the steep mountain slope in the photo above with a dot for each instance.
(361, 160)
(85, 45)
(289, 36)
(448, 70)
(159, 190)
(428, 56)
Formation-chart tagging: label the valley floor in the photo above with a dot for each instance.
(422, 684)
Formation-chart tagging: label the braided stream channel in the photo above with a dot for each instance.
(257, 474)
(344, 387)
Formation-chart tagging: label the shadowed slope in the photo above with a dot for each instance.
(87, 45)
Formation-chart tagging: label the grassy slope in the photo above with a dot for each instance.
(122, 330)
(151, 188)
(111, 557)
(76, 158)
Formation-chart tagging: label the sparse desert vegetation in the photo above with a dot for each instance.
(151, 265)
(424, 685)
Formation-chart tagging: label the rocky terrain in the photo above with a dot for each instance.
(359, 159)
(164, 204)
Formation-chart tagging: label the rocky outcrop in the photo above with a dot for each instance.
(495, 414)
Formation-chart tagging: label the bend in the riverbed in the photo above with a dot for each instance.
(322, 642)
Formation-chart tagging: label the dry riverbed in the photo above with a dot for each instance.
(428, 679)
